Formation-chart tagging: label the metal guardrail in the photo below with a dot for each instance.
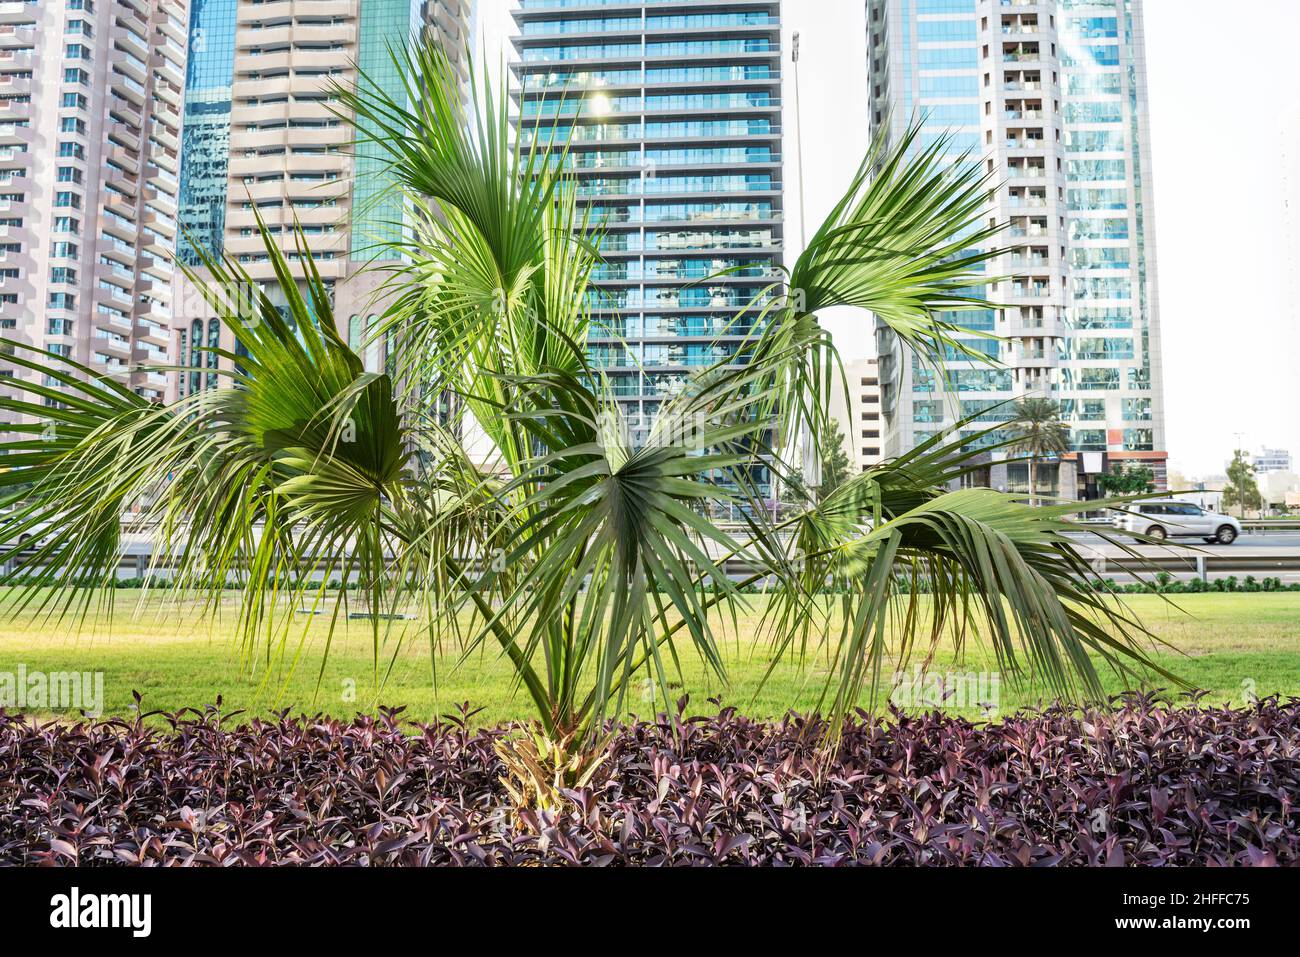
(1271, 525)
(1202, 565)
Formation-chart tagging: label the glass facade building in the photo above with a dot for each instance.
(1049, 97)
(206, 135)
(673, 110)
(377, 207)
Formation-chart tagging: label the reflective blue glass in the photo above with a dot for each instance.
(205, 142)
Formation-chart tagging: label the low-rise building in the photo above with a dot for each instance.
(860, 421)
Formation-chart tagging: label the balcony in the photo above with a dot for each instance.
(119, 228)
(1031, 291)
(17, 36)
(15, 12)
(114, 296)
(11, 134)
(110, 364)
(155, 355)
(153, 331)
(1022, 231)
(1034, 358)
(125, 86)
(1040, 328)
(14, 85)
(112, 341)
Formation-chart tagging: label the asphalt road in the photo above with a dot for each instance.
(1266, 540)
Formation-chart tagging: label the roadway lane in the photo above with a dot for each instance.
(1282, 546)
(1259, 540)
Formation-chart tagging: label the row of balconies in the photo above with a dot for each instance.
(272, 11)
(267, 39)
(338, 135)
(283, 110)
(249, 64)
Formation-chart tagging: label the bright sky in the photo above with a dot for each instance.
(1225, 118)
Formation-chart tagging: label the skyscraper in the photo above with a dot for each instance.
(1049, 97)
(266, 142)
(673, 108)
(206, 138)
(90, 125)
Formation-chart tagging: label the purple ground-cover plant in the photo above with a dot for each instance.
(1142, 784)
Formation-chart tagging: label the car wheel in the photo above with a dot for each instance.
(1227, 535)
(1157, 532)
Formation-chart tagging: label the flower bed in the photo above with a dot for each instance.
(1143, 784)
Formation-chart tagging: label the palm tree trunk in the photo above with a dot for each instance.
(1032, 485)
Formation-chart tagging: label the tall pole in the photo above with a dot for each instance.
(798, 132)
(812, 477)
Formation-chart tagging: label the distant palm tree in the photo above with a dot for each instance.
(1038, 431)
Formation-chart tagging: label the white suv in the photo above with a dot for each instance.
(1161, 520)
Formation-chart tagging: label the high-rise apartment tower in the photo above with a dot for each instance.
(262, 140)
(90, 127)
(1049, 97)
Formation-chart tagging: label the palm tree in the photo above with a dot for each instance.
(1037, 431)
(586, 560)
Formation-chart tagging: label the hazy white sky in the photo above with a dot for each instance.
(1225, 118)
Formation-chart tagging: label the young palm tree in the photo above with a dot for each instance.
(586, 559)
(1037, 431)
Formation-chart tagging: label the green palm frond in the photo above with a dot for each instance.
(907, 244)
(501, 254)
(893, 557)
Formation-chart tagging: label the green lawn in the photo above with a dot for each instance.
(1228, 644)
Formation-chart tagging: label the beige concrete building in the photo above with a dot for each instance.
(90, 127)
(289, 158)
(861, 420)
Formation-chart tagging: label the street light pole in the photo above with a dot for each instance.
(807, 447)
(798, 132)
